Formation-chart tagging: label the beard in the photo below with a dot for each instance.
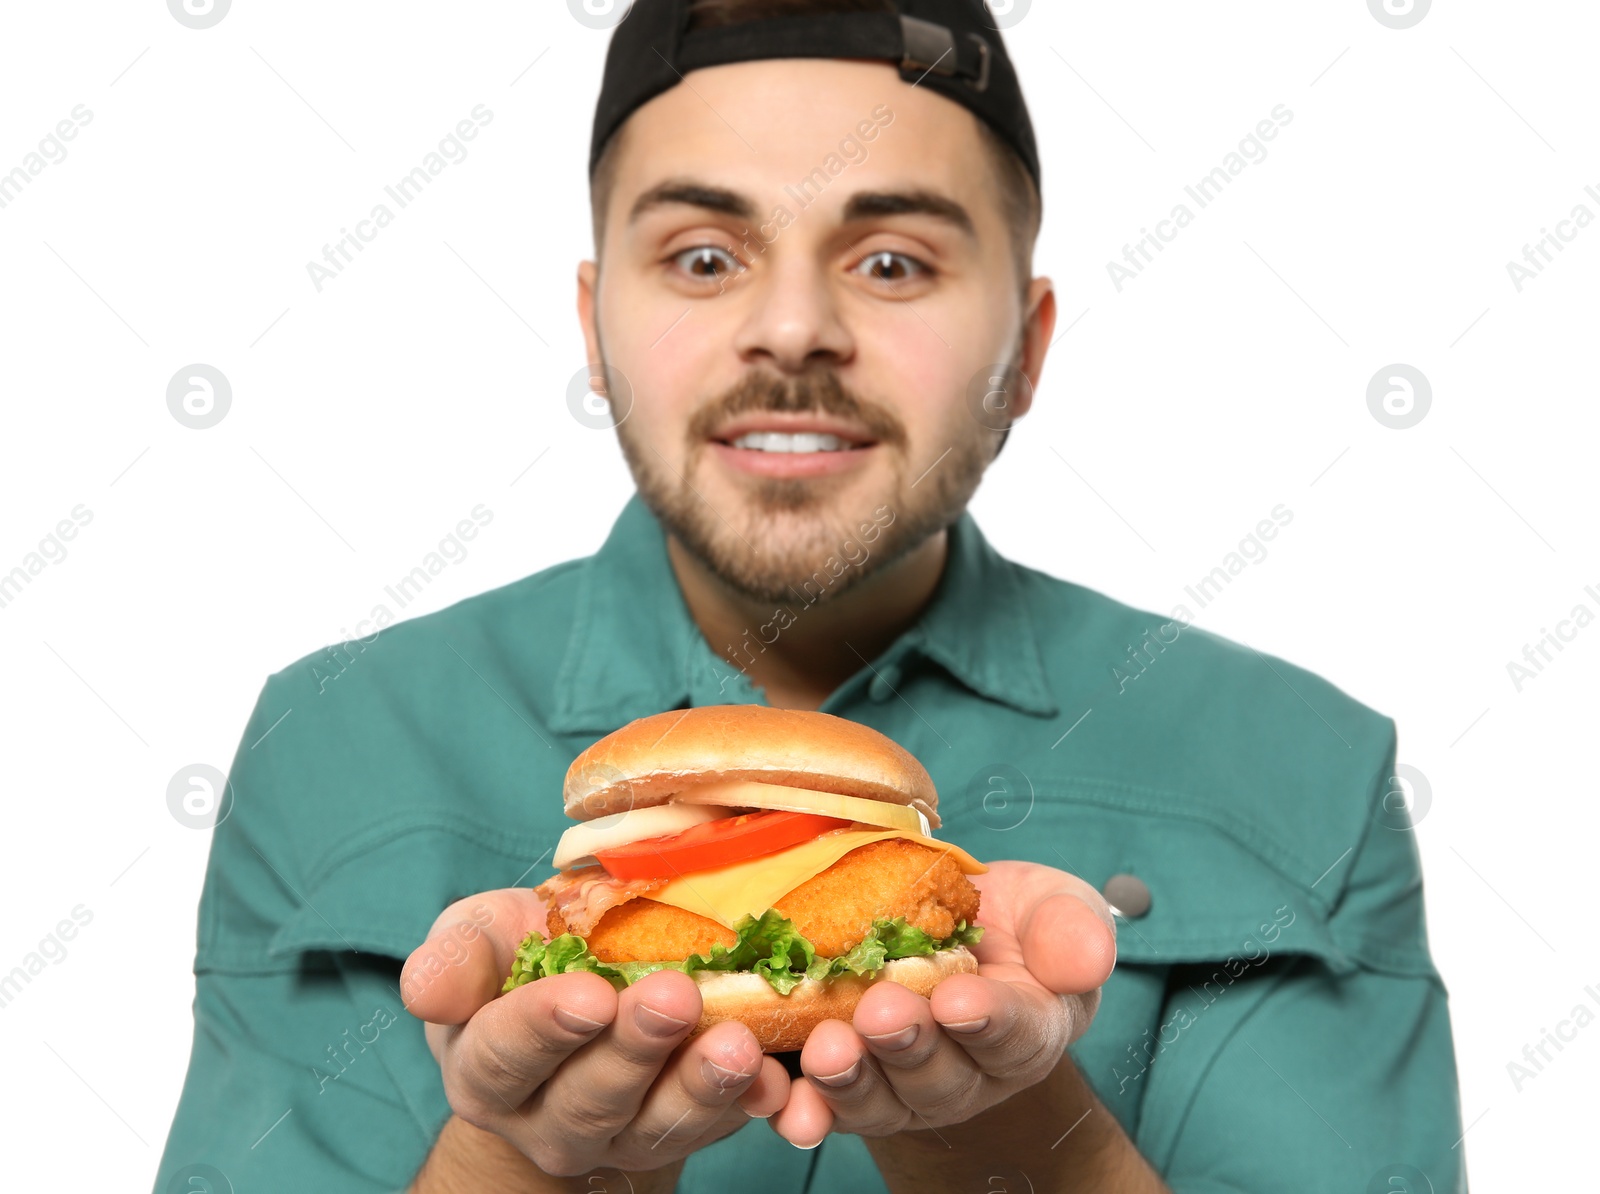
(790, 537)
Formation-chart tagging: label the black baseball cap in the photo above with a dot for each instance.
(952, 47)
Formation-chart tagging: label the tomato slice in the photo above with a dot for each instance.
(716, 843)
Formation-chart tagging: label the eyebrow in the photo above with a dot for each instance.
(692, 194)
(863, 205)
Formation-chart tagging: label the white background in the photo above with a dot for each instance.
(369, 418)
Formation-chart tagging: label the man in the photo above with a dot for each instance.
(814, 304)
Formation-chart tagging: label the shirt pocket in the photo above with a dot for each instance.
(1216, 890)
(381, 890)
(369, 903)
(1226, 905)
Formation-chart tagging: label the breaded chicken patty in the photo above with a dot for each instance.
(885, 879)
(644, 931)
(833, 911)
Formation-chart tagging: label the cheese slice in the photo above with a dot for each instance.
(728, 893)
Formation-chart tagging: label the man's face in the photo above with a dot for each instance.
(765, 276)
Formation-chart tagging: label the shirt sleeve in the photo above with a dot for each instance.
(1319, 1077)
(288, 1089)
(306, 1072)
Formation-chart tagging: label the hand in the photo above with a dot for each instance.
(573, 1074)
(908, 1063)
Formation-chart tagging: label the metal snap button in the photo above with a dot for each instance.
(1128, 895)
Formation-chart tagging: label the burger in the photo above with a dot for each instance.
(782, 858)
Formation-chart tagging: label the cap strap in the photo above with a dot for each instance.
(932, 47)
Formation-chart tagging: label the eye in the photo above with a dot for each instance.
(707, 263)
(890, 267)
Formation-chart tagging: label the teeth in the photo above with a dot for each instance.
(778, 441)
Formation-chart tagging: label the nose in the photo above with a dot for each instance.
(792, 319)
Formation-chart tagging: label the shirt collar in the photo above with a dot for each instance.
(634, 649)
(979, 625)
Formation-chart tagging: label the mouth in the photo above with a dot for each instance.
(793, 434)
(778, 445)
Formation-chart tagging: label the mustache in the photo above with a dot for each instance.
(817, 392)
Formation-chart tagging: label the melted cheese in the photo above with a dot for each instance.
(728, 893)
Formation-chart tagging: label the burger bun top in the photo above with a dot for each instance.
(652, 758)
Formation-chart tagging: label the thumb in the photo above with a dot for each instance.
(468, 953)
(1068, 938)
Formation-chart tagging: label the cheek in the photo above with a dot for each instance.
(666, 361)
(929, 391)
(929, 366)
(668, 387)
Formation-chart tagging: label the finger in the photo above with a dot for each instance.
(766, 1096)
(926, 1071)
(846, 1077)
(762, 1099)
(513, 1046)
(468, 954)
(1069, 944)
(1013, 1031)
(601, 1088)
(695, 1090)
(806, 1118)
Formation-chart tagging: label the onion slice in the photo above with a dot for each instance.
(623, 829)
(751, 794)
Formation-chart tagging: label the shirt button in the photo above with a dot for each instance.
(1128, 896)
(884, 682)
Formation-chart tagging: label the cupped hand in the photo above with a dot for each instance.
(908, 1063)
(575, 1075)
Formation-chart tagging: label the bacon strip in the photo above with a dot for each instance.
(584, 895)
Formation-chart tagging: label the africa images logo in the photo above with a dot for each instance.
(198, 14)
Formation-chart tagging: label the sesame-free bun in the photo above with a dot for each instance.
(783, 1022)
(648, 760)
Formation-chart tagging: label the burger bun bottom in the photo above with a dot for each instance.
(783, 1022)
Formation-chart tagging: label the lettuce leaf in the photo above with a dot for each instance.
(888, 940)
(767, 945)
(538, 958)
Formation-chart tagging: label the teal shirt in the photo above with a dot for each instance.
(1274, 1021)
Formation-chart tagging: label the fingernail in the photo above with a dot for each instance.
(658, 1023)
(968, 1025)
(573, 1022)
(895, 1041)
(805, 1148)
(843, 1077)
(723, 1079)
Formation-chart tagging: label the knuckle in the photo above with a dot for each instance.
(493, 1070)
(502, 1063)
(559, 1160)
(947, 1105)
(876, 1119)
(869, 1105)
(581, 1114)
(648, 1144)
(638, 1157)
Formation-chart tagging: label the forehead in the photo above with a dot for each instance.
(761, 127)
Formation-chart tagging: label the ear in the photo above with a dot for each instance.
(588, 282)
(1038, 326)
